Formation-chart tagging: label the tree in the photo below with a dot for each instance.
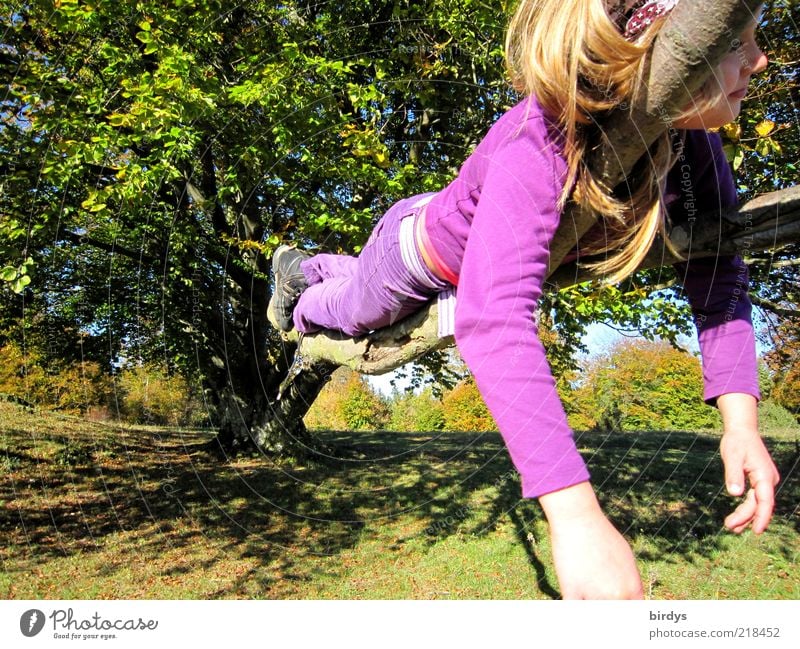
(153, 156)
(642, 385)
(417, 412)
(464, 409)
(784, 361)
(68, 386)
(347, 403)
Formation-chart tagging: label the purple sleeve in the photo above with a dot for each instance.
(503, 269)
(717, 286)
(717, 291)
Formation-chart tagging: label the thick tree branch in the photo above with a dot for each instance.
(767, 222)
(771, 220)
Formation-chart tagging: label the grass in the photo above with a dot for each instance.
(97, 511)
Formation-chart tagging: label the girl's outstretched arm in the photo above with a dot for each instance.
(504, 263)
(592, 559)
(746, 460)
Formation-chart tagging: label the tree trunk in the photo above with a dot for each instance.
(245, 380)
(251, 420)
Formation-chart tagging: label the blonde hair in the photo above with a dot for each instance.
(571, 57)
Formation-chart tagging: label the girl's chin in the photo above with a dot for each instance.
(713, 118)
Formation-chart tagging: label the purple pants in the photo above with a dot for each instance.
(356, 295)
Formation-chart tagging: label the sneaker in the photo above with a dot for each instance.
(290, 282)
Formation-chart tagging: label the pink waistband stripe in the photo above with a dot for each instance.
(430, 254)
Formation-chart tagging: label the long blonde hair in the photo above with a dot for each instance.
(572, 58)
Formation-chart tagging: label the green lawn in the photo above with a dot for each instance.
(90, 510)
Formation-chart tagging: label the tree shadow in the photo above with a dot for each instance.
(280, 517)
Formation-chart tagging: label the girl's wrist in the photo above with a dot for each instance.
(739, 413)
(575, 503)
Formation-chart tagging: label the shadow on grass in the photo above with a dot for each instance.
(86, 489)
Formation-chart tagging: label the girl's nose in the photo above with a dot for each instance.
(756, 60)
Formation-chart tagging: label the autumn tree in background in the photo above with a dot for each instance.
(150, 394)
(347, 402)
(464, 409)
(642, 385)
(72, 387)
(784, 362)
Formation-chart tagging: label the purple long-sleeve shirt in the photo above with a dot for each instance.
(493, 226)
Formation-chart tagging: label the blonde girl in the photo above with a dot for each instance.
(485, 239)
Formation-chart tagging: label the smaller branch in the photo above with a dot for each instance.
(135, 255)
(782, 263)
(777, 309)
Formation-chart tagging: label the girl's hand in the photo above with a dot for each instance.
(746, 460)
(592, 559)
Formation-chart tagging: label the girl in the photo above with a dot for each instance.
(488, 233)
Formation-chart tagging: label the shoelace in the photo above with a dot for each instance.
(286, 289)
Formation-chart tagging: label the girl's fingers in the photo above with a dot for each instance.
(765, 503)
(741, 517)
(734, 473)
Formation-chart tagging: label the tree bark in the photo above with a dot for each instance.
(250, 419)
(767, 222)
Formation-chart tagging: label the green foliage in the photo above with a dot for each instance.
(151, 395)
(774, 417)
(361, 408)
(642, 385)
(416, 412)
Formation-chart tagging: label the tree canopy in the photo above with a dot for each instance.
(153, 155)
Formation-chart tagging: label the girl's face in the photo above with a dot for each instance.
(729, 85)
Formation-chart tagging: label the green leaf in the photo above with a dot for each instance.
(19, 284)
(738, 159)
(119, 119)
